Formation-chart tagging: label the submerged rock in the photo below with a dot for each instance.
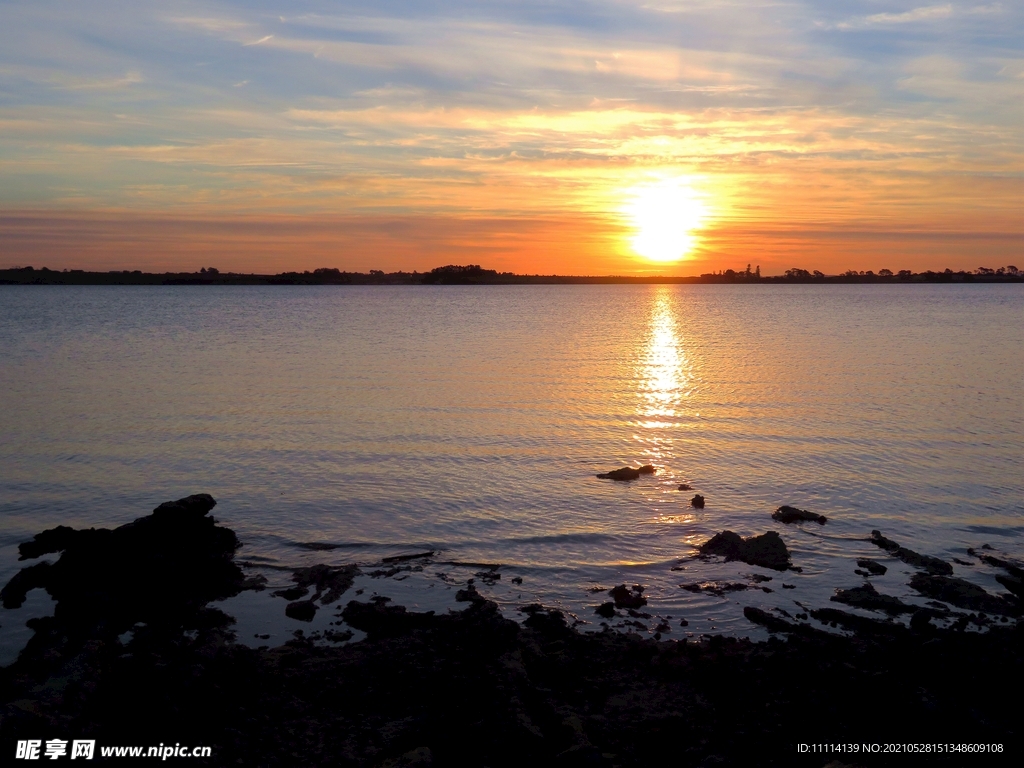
(787, 514)
(628, 473)
(910, 557)
(962, 594)
(606, 610)
(685, 487)
(715, 587)
(767, 550)
(869, 598)
(697, 502)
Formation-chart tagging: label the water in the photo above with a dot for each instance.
(472, 421)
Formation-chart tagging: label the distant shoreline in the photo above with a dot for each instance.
(475, 275)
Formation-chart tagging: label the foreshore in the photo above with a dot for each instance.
(134, 654)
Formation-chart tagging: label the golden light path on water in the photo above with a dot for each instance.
(664, 379)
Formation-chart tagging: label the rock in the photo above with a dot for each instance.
(910, 557)
(159, 569)
(787, 514)
(628, 473)
(685, 487)
(767, 550)
(606, 610)
(303, 610)
(868, 598)
(962, 594)
(1013, 583)
(329, 582)
(697, 502)
(292, 593)
(404, 558)
(872, 567)
(625, 598)
(715, 587)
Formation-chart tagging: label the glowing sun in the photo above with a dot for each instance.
(665, 215)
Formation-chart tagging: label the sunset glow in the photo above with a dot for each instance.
(666, 215)
(595, 138)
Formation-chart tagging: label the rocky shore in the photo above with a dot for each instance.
(135, 654)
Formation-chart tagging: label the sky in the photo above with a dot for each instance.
(592, 138)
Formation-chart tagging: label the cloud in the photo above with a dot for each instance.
(924, 13)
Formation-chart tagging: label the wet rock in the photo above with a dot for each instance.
(405, 558)
(517, 579)
(626, 598)
(329, 582)
(787, 514)
(628, 473)
(302, 610)
(962, 594)
(292, 593)
(1013, 583)
(855, 623)
(768, 621)
(469, 595)
(872, 567)
(685, 487)
(714, 587)
(868, 598)
(759, 578)
(606, 610)
(697, 502)
(767, 550)
(910, 557)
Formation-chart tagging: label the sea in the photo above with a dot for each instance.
(349, 424)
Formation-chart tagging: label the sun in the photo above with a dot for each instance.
(665, 215)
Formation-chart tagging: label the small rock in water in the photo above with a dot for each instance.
(872, 567)
(767, 550)
(910, 557)
(625, 598)
(303, 610)
(685, 487)
(606, 610)
(787, 514)
(628, 473)
(697, 502)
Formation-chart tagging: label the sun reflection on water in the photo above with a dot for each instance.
(663, 378)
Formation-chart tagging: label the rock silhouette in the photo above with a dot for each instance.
(910, 557)
(697, 502)
(628, 473)
(767, 550)
(787, 514)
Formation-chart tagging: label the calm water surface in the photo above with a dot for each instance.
(472, 420)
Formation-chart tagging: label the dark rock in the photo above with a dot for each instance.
(606, 610)
(517, 579)
(626, 598)
(787, 514)
(767, 550)
(910, 557)
(628, 473)
(469, 595)
(1013, 583)
(329, 582)
(962, 594)
(697, 502)
(759, 578)
(685, 487)
(303, 610)
(404, 558)
(159, 569)
(855, 623)
(714, 587)
(868, 598)
(872, 567)
(292, 593)
(1013, 567)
